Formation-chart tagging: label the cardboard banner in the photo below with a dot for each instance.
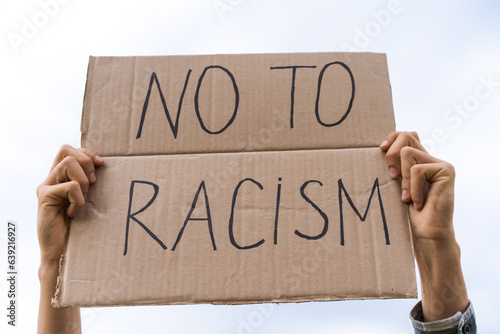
(236, 179)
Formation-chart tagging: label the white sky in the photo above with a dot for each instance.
(437, 51)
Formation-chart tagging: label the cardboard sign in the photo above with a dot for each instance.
(235, 179)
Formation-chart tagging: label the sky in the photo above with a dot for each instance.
(444, 69)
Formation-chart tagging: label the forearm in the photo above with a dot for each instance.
(443, 286)
(50, 319)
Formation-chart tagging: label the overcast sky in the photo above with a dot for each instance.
(440, 55)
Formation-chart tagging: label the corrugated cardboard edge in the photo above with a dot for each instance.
(56, 299)
(245, 302)
(86, 99)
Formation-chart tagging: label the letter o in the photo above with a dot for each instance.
(197, 107)
(320, 79)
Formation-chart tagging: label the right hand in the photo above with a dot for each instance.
(61, 196)
(427, 183)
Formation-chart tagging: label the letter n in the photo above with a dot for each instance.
(173, 127)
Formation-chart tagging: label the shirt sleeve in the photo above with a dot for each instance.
(459, 323)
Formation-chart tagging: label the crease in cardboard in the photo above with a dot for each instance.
(187, 154)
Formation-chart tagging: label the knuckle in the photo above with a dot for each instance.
(64, 150)
(393, 135)
(416, 170)
(40, 192)
(73, 186)
(409, 138)
(86, 162)
(406, 152)
(391, 155)
(68, 160)
(449, 168)
(84, 183)
(406, 135)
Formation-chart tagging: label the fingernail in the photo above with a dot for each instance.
(98, 158)
(393, 171)
(92, 177)
(384, 143)
(416, 205)
(405, 195)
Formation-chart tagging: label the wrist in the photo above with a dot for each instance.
(443, 286)
(48, 270)
(436, 247)
(437, 262)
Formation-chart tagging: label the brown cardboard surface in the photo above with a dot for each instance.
(117, 89)
(260, 212)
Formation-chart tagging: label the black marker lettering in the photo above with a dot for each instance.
(236, 100)
(325, 217)
(231, 234)
(362, 218)
(132, 216)
(292, 91)
(188, 217)
(173, 127)
(320, 79)
(277, 212)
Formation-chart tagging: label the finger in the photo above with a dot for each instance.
(389, 140)
(75, 198)
(419, 175)
(393, 156)
(98, 160)
(411, 157)
(69, 169)
(88, 159)
(56, 195)
(422, 174)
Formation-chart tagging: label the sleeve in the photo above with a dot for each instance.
(459, 323)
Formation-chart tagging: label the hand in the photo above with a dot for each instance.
(61, 197)
(427, 184)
